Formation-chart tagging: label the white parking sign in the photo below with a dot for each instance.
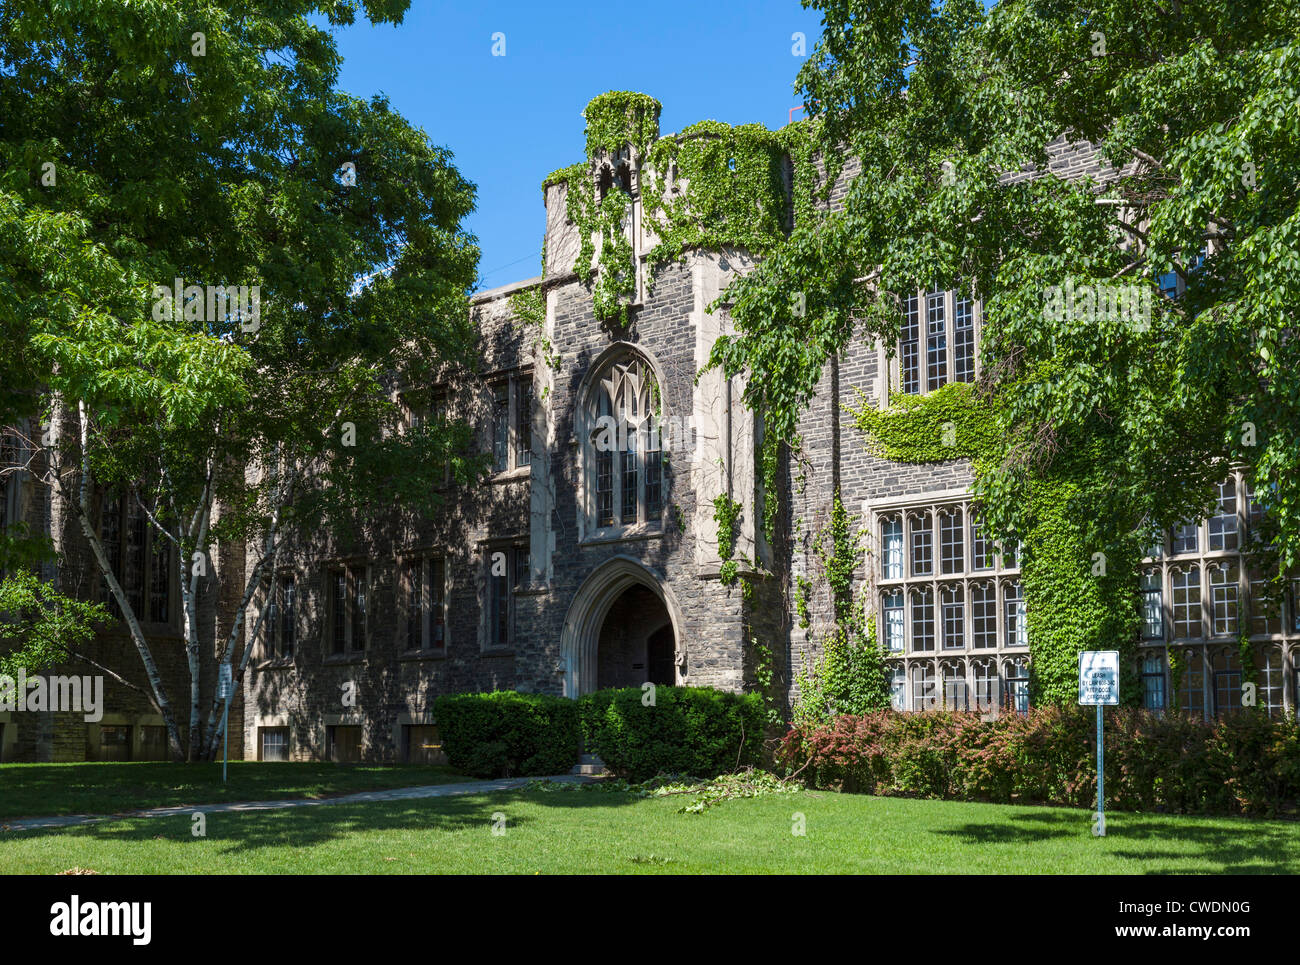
(1098, 677)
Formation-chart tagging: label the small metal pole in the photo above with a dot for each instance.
(1101, 779)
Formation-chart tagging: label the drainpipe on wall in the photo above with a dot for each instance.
(727, 440)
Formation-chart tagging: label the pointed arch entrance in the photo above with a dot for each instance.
(623, 628)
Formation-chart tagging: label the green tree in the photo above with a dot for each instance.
(42, 627)
(1131, 420)
(142, 144)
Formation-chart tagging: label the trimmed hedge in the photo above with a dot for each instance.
(508, 734)
(1247, 763)
(696, 731)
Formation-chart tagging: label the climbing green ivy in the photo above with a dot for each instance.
(612, 279)
(1078, 596)
(851, 676)
(615, 284)
(712, 186)
(529, 307)
(802, 590)
(735, 194)
(841, 561)
(950, 423)
(621, 117)
(726, 513)
(764, 677)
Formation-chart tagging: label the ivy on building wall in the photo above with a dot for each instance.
(619, 118)
(951, 422)
(726, 513)
(712, 186)
(612, 279)
(851, 677)
(529, 307)
(614, 120)
(1077, 596)
(715, 186)
(802, 591)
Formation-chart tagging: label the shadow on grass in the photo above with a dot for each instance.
(312, 825)
(1225, 845)
(41, 790)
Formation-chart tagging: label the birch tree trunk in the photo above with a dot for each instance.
(82, 504)
(189, 591)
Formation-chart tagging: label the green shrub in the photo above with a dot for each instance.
(508, 734)
(689, 730)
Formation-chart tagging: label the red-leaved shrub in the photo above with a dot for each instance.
(1247, 763)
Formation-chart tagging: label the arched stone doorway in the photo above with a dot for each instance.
(622, 629)
(636, 641)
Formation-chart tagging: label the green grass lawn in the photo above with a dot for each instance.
(38, 790)
(584, 831)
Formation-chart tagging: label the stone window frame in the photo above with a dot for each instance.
(514, 586)
(956, 686)
(1015, 677)
(270, 643)
(426, 559)
(588, 428)
(1267, 629)
(511, 386)
(986, 679)
(890, 358)
(897, 675)
(153, 540)
(262, 732)
(1002, 576)
(1152, 669)
(358, 574)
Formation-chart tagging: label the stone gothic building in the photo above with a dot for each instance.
(589, 556)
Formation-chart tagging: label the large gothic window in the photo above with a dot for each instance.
(624, 448)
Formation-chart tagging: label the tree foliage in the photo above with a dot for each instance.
(142, 143)
(1104, 425)
(1195, 110)
(39, 626)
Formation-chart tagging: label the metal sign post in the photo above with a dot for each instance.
(225, 689)
(1099, 685)
(1101, 779)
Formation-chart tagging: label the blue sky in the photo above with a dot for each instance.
(512, 120)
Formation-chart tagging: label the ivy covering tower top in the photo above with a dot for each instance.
(711, 186)
(620, 117)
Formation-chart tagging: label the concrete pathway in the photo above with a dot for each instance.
(362, 797)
